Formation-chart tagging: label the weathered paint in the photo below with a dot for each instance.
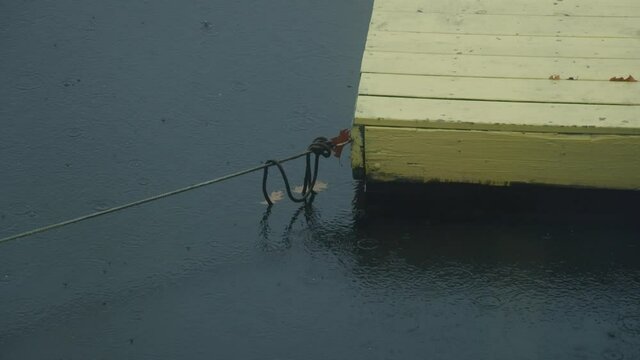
(460, 91)
(504, 45)
(515, 24)
(498, 89)
(469, 65)
(510, 7)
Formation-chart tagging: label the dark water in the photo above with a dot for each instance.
(107, 102)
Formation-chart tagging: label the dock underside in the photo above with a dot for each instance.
(496, 92)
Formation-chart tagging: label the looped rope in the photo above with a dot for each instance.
(320, 146)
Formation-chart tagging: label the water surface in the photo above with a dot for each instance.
(107, 102)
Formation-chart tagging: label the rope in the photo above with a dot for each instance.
(170, 193)
(320, 147)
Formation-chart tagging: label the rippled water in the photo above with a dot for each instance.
(107, 102)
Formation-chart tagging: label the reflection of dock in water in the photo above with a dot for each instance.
(474, 224)
(527, 260)
(500, 92)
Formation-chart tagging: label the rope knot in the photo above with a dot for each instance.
(321, 146)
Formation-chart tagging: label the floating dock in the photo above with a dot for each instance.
(500, 92)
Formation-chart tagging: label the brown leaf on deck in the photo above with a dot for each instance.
(622, 78)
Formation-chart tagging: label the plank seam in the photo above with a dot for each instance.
(480, 76)
(536, 129)
(375, 50)
(510, 34)
(497, 100)
(561, 15)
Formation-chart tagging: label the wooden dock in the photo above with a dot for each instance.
(500, 92)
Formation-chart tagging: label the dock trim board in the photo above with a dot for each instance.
(496, 115)
(502, 157)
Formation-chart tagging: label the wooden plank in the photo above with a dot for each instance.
(519, 7)
(505, 24)
(497, 66)
(497, 116)
(486, 157)
(572, 47)
(444, 87)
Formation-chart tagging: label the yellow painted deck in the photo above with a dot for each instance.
(460, 91)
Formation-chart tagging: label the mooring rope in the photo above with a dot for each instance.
(319, 147)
